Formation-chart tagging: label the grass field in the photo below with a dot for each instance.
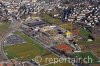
(24, 51)
(66, 26)
(4, 26)
(83, 42)
(86, 55)
(52, 56)
(51, 20)
(84, 32)
(47, 56)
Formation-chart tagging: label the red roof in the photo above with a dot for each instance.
(64, 47)
(0, 64)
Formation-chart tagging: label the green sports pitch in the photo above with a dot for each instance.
(87, 55)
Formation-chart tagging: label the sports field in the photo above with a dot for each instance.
(25, 51)
(86, 55)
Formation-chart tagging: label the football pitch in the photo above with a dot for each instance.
(86, 55)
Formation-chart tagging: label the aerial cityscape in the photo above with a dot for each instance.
(49, 32)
